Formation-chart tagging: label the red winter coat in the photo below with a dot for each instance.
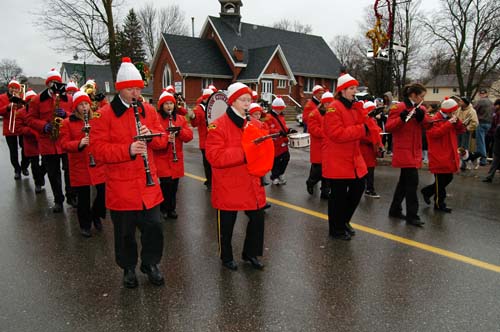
(42, 112)
(273, 121)
(233, 188)
(181, 111)
(442, 144)
(406, 138)
(164, 157)
(112, 136)
(369, 144)
(5, 113)
(200, 121)
(315, 129)
(80, 173)
(30, 136)
(343, 129)
(310, 105)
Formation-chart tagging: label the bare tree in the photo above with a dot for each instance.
(350, 53)
(170, 19)
(9, 69)
(296, 26)
(469, 30)
(85, 26)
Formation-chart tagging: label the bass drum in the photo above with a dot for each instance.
(217, 106)
(300, 140)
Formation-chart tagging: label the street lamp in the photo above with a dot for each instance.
(75, 57)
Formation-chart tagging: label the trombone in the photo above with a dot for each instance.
(15, 101)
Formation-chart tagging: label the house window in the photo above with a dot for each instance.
(281, 84)
(455, 89)
(106, 87)
(435, 90)
(167, 76)
(309, 85)
(206, 82)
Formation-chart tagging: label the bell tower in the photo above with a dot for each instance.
(230, 13)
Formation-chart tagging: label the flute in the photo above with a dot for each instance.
(149, 178)
(412, 112)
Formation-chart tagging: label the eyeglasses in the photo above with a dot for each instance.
(245, 100)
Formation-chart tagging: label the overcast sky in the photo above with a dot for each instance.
(24, 40)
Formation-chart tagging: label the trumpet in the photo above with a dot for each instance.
(86, 130)
(149, 178)
(16, 100)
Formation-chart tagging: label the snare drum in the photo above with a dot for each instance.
(299, 140)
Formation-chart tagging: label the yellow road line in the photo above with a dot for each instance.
(388, 236)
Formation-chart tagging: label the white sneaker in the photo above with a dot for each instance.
(276, 181)
(477, 164)
(469, 164)
(282, 179)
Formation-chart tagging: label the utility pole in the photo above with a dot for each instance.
(391, 46)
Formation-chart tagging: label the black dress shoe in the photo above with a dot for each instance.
(72, 201)
(350, 230)
(25, 172)
(488, 180)
(17, 175)
(57, 208)
(442, 209)
(253, 260)
(310, 188)
(427, 199)
(398, 215)
(154, 274)
(341, 236)
(97, 223)
(415, 221)
(85, 232)
(38, 189)
(267, 206)
(230, 265)
(129, 278)
(325, 196)
(172, 214)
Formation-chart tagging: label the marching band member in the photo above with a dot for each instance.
(443, 156)
(84, 172)
(370, 146)
(315, 128)
(277, 124)
(170, 159)
(236, 185)
(255, 96)
(312, 104)
(30, 144)
(131, 201)
(198, 118)
(51, 105)
(11, 136)
(405, 122)
(71, 88)
(344, 126)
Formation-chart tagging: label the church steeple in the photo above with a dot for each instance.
(230, 13)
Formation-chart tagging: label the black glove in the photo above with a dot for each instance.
(99, 97)
(282, 133)
(47, 128)
(403, 115)
(419, 114)
(292, 131)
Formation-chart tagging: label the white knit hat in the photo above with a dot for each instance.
(14, 84)
(278, 104)
(170, 89)
(327, 97)
(449, 105)
(346, 81)
(164, 97)
(369, 106)
(71, 86)
(255, 95)
(236, 90)
(128, 76)
(79, 97)
(206, 93)
(213, 88)
(53, 75)
(254, 107)
(29, 94)
(318, 88)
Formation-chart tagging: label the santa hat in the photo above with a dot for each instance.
(346, 81)
(128, 76)
(213, 88)
(318, 88)
(164, 97)
(71, 86)
(206, 93)
(327, 97)
(29, 94)
(369, 106)
(254, 107)
(14, 84)
(255, 95)
(53, 75)
(449, 105)
(236, 90)
(170, 89)
(278, 104)
(80, 97)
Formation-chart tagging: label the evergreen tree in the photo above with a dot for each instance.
(130, 39)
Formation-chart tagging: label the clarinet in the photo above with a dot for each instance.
(174, 150)
(149, 178)
(86, 130)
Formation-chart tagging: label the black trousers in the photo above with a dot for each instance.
(169, 188)
(387, 139)
(52, 164)
(207, 168)
(315, 175)
(38, 171)
(438, 189)
(344, 199)
(254, 239)
(87, 213)
(12, 143)
(370, 179)
(494, 166)
(150, 226)
(280, 164)
(406, 189)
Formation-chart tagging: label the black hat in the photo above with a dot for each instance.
(465, 100)
(483, 90)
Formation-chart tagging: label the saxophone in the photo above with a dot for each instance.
(56, 121)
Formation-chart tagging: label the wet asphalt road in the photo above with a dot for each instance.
(55, 280)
